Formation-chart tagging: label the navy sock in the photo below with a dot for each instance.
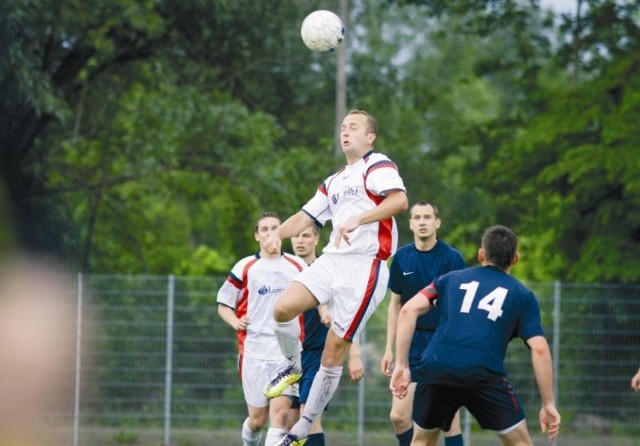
(315, 440)
(404, 439)
(456, 440)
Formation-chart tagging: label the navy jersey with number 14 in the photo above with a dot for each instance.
(482, 309)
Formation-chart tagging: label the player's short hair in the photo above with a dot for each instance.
(372, 124)
(266, 215)
(436, 211)
(500, 245)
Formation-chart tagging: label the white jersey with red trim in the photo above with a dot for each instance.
(352, 190)
(251, 289)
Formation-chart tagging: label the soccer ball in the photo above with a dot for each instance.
(322, 31)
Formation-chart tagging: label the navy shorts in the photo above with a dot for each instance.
(419, 344)
(310, 365)
(492, 402)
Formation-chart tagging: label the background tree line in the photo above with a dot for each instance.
(146, 136)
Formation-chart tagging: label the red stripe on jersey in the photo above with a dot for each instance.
(385, 230)
(366, 299)
(429, 292)
(294, 262)
(380, 165)
(243, 303)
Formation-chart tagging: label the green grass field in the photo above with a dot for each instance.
(179, 437)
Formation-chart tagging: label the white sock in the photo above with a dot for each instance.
(274, 434)
(288, 334)
(324, 386)
(249, 437)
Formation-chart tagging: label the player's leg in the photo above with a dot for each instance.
(316, 434)
(253, 425)
(453, 437)
(400, 416)
(257, 405)
(295, 299)
(516, 436)
(278, 415)
(425, 437)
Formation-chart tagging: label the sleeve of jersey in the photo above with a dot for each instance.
(531, 324)
(318, 207)
(429, 292)
(383, 176)
(229, 292)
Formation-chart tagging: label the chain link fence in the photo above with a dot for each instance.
(155, 365)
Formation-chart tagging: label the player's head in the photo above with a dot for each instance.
(424, 219)
(265, 225)
(358, 131)
(304, 244)
(499, 247)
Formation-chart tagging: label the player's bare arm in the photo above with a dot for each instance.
(401, 377)
(356, 366)
(228, 315)
(291, 227)
(386, 365)
(395, 202)
(543, 371)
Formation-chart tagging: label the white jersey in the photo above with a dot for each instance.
(251, 289)
(352, 190)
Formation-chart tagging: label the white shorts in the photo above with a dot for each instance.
(351, 285)
(254, 375)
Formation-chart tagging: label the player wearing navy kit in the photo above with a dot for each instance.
(414, 266)
(482, 309)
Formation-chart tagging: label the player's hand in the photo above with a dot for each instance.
(549, 421)
(386, 365)
(635, 381)
(400, 380)
(273, 245)
(342, 233)
(356, 368)
(242, 324)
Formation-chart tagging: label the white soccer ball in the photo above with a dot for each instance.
(322, 31)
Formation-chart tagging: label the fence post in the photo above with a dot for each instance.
(557, 297)
(361, 392)
(169, 360)
(78, 364)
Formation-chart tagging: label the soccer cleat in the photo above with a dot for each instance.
(291, 440)
(286, 377)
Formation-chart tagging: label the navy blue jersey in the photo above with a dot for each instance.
(411, 270)
(315, 332)
(482, 309)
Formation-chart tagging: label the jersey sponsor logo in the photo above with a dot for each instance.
(266, 289)
(406, 273)
(334, 198)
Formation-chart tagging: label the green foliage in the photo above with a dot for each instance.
(145, 136)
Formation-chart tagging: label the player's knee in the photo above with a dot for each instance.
(399, 419)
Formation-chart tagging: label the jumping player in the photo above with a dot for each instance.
(351, 275)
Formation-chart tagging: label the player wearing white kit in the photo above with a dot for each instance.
(351, 275)
(245, 302)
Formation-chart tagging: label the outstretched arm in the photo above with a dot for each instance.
(386, 365)
(543, 370)
(291, 227)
